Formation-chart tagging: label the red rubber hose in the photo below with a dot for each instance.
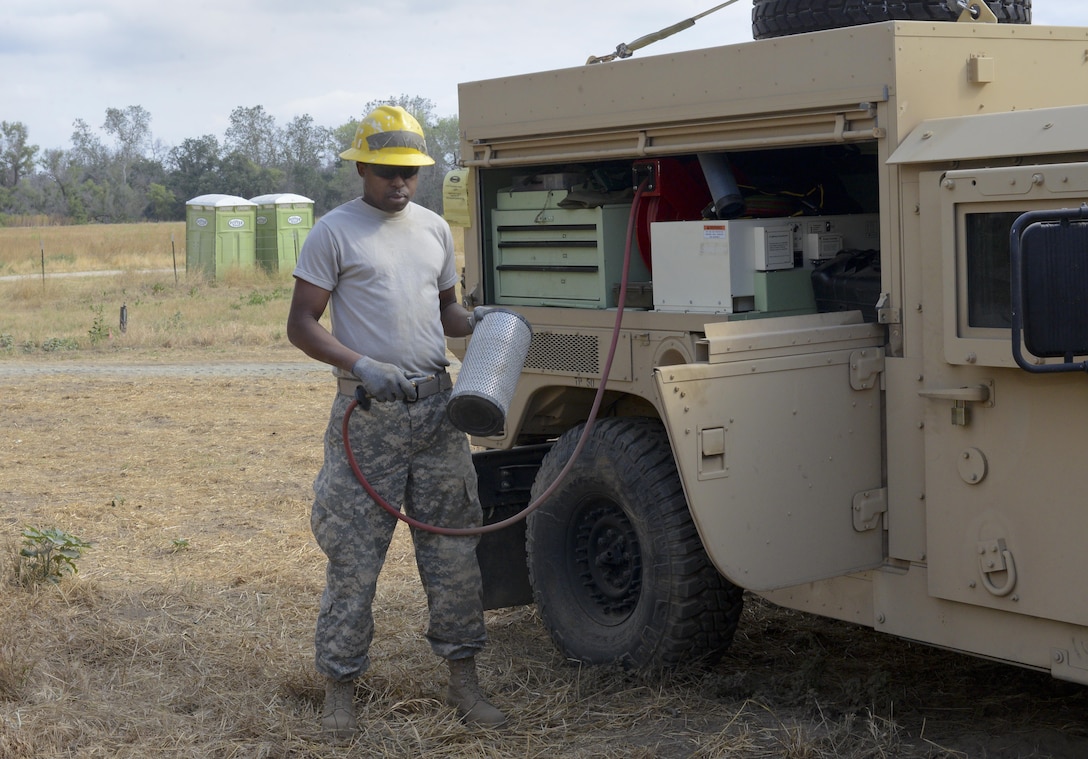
(496, 526)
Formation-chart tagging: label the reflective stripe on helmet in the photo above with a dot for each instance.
(397, 139)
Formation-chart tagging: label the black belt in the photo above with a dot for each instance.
(425, 386)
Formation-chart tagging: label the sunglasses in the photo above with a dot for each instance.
(388, 172)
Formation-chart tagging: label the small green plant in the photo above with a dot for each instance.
(158, 288)
(98, 330)
(7, 342)
(48, 554)
(54, 344)
(179, 544)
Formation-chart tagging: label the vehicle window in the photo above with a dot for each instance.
(988, 273)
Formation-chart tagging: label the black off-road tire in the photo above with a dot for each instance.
(618, 571)
(778, 18)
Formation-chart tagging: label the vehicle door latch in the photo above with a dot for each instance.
(869, 508)
(866, 366)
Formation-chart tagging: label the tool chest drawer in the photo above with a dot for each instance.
(560, 256)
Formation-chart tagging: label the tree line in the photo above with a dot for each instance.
(131, 177)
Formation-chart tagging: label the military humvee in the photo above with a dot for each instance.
(848, 374)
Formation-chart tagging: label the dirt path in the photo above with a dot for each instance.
(102, 273)
(296, 369)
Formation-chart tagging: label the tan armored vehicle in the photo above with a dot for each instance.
(849, 372)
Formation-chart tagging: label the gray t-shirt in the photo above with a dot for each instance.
(384, 272)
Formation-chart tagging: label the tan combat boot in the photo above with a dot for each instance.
(338, 717)
(464, 695)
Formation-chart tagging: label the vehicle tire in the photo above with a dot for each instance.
(778, 18)
(618, 571)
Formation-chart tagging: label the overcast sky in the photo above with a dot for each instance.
(190, 63)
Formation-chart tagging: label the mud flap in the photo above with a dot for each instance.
(506, 478)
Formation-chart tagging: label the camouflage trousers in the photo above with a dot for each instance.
(416, 460)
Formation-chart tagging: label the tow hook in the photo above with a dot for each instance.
(993, 558)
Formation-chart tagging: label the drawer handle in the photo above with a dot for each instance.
(547, 244)
(529, 267)
(547, 227)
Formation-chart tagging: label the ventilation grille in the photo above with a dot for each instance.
(577, 354)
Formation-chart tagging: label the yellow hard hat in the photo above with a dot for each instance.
(389, 135)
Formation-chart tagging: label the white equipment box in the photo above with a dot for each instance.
(709, 266)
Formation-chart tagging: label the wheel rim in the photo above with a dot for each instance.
(605, 567)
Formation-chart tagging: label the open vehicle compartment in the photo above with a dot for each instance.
(564, 246)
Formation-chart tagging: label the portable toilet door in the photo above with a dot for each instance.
(283, 221)
(200, 235)
(220, 234)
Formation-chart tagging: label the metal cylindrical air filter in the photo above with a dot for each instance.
(489, 373)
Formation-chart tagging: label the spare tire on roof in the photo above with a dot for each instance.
(779, 18)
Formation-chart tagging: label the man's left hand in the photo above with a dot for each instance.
(477, 315)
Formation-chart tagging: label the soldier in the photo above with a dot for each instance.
(384, 267)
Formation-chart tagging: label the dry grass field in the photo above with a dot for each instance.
(183, 450)
(78, 304)
(27, 250)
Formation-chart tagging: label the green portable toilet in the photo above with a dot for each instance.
(283, 221)
(220, 233)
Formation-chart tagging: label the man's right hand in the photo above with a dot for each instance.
(383, 382)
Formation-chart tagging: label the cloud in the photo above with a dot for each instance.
(190, 64)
